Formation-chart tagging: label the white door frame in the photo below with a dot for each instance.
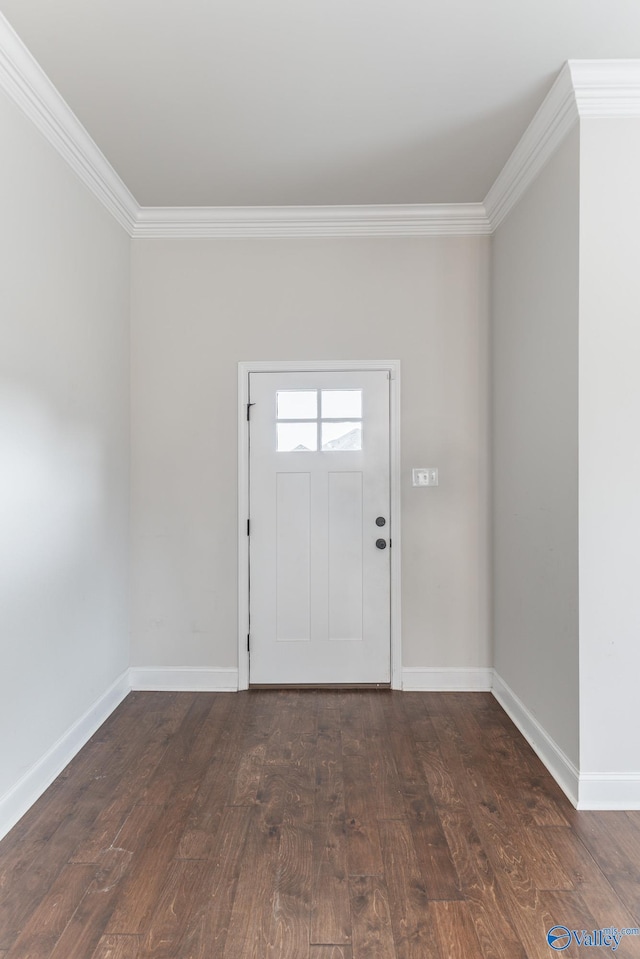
(293, 366)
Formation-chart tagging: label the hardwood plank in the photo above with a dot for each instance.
(628, 894)
(328, 799)
(413, 930)
(534, 918)
(271, 795)
(401, 741)
(595, 890)
(215, 788)
(141, 886)
(178, 781)
(612, 844)
(299, 794)
(206, 929)
(189, 749)
(387, 795)
(352, 724)
(359, 795)
(432, 849)
(46, 924)
(253, 903)
(372, 937)
(534, 796)
(327, 952)
(414, 706)
(455, 930)
(171, 914)
(111, 818)
(288, 932)
(478, 881)
(364, 856)
(514, 851)
(247, 776)
(85, 928)
(429, 810)
(26, 877)
(117, 947)
(330, 912)
(292, 736)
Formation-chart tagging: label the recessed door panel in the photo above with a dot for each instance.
(345, 556)
(293, 558)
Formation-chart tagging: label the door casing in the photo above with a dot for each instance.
(286, 366)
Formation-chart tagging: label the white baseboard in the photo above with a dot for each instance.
(446, 679)
(15, 803)
(196, 679)
(559, 765)
(609, 791)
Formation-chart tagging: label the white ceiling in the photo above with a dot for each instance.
(242, 102)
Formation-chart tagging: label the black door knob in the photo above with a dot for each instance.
(380, 521)
(381, 543)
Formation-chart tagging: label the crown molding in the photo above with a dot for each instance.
(24, 81)
(606, 89)
(455, 219)
(596, 89)
(584, 89)
(553, 120)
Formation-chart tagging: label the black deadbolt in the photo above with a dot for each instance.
(381, 543)
(380, 521)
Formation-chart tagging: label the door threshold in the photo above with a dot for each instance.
(320, 686)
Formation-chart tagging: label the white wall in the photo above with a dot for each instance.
(64, 266)
(535, 452)
(610, 449)
(199, 307)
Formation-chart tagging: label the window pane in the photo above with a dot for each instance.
(297, 404)
(342, 436)
(297, 437)
(341, 403)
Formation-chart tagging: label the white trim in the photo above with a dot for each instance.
(586, 88)
(395, 524)
(274, 366)
(436, 219)
(609, 791)
(24, 81)
(606, 89)
(15, 803)
(446, 679)
(553, 120)
(593, 89)
(193, 679)
(557, 762)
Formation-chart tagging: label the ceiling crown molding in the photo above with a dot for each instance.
(455, 219)
(24, 81)
(606, 89)
(553, 120)
(595, 89)
(584, 89)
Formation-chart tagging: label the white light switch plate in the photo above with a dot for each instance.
(425, 476)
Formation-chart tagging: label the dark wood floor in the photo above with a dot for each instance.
(311, 825)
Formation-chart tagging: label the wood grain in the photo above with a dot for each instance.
(117, 947)
(311, 824)
(330, 912)
(372, 937)
(47, 922)
(409, 907)
(327, 952)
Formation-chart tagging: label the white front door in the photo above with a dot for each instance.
(319, 527)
